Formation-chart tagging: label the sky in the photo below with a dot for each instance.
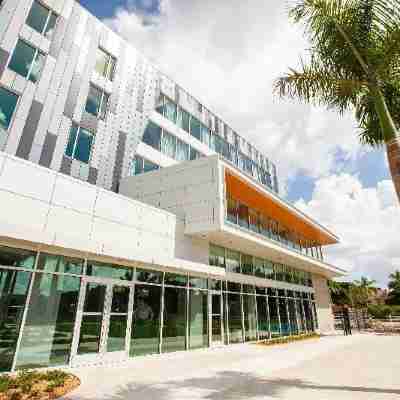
(228, 53)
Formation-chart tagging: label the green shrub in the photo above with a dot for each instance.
(5, 381)
(383, 311)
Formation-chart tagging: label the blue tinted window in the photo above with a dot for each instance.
(79, 144)
(195, 128)
(37, 17)
(27, 61)
(83, 146)
(8, 102)
(152, 135)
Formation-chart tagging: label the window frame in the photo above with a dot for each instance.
(34, 59)
(104, 94)
(50, 12)
(109, 73)
(72, 157)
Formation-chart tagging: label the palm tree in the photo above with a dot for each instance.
(394, 286)
(365, 288)
(354, 64)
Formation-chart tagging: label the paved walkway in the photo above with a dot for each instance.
(360, 367)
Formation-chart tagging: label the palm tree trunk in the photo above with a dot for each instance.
(392, 138)
(393, 154)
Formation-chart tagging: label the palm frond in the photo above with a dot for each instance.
(320, 85)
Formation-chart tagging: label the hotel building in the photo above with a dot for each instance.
(133, 219)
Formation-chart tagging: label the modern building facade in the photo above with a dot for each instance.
(134, 220)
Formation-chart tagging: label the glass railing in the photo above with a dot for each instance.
(261, 170)
(247, 218)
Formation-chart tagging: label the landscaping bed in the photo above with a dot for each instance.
(288, 339)
(36, 385)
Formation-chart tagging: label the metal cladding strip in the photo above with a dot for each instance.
(58, 37)
(16, 21)
(92, 178)
(28, 133)
(114, 98)
(66, 165)
(6, 15)
(4, 54)
(48, 150)
(119, 158)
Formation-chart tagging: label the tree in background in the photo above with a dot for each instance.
(354, 64)
(394, 287)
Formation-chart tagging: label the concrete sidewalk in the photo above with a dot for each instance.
(359, 367)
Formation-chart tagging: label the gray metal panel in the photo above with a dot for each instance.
(89, 122)
(177, 94)
(92, 175)
(72, 96)
(71, 28)
(48, 149)
(28, 133)
(66, 164)
(3, 60)
(58, 37)
(119, 159)
(114, 98)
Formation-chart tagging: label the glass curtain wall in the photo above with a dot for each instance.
(273, 310)
(198, 313)
(175, 311)
(262, 316)
(49, 326)
(234, 313)
(14, 285)
(145, 333)
(249, 314)
(292, 315)
(308, 313)
(283, 313)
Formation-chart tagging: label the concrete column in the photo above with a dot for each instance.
(324, 304)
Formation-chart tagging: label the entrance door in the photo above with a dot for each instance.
(216, 319)
(102, 330)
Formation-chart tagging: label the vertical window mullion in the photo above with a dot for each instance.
(76, 142)
(100, 105)
(35, 56)
(47, 22)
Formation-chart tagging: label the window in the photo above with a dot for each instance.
(27, 61)
(105, 64)
(79, 144)
(41, 19)
(182, 150)
(97, 102)
(184, 120)
(8, 102)
(168, 144)
(194, 154)
(152, 136)
(195, 128)
(170, 110)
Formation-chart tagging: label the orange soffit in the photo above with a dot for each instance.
(271, 207)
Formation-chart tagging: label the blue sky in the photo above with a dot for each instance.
(106, 8)
(229, 61)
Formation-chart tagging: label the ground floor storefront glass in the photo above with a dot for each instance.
(57, 310)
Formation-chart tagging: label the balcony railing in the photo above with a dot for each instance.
(247, 218)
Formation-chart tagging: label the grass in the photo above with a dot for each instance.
(28, 385)
(288, 339)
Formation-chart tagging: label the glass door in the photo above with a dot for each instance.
(216, 318)
(101, 330)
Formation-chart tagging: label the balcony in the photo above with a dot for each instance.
(245, 217)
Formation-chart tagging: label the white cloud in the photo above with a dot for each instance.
(367, 221)
(228, 53)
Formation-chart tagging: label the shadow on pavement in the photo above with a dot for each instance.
(227, 385)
